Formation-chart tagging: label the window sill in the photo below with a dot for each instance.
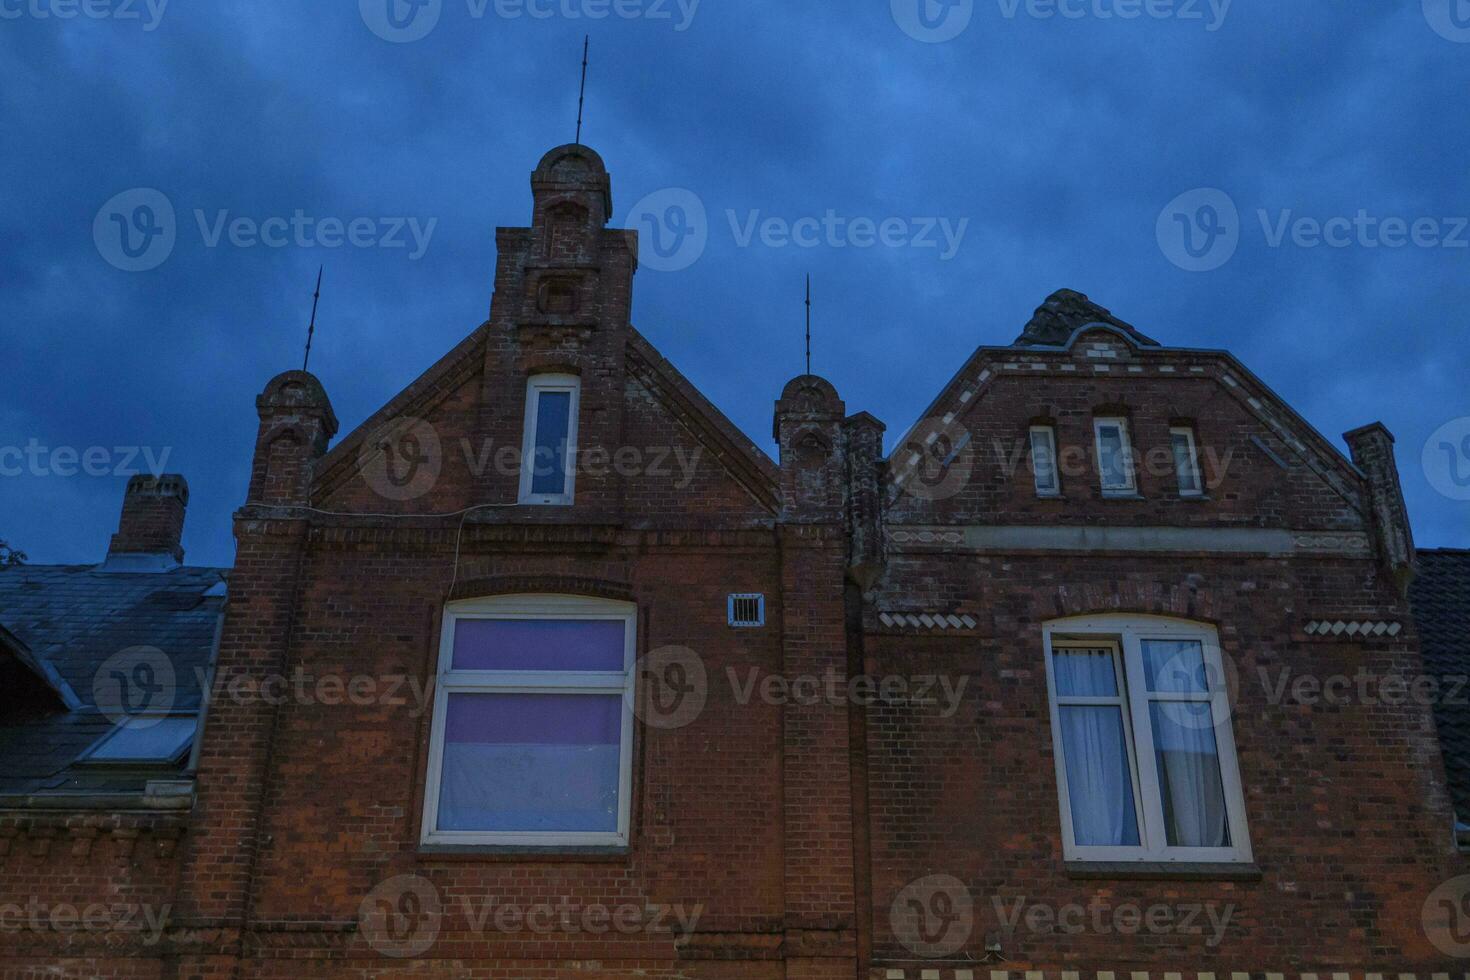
(1162, 870)
(473, 852)
(1106, 495)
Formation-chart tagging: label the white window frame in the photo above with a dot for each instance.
(1123, 634)
(536, 386)
(1198, 490)
(1126, 444)
(450, 681)
(1049, 434)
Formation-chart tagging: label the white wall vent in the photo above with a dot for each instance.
(747, 610)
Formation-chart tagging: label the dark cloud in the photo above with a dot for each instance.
(1060, 140)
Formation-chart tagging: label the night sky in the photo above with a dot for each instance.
(956, 162)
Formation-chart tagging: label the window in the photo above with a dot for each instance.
(549, 448)
(1044, 461)
(1115, 458)
(1145, 756)
(1186, 461)
(746, 609)
(532, 734)
(142, 740)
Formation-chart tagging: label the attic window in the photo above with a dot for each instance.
(548, 470)
(1186, 461)
(746, 610)
(146, 740)
(1115, 458)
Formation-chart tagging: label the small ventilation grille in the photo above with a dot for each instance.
(747, 610)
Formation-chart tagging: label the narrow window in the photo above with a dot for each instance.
(531, 742)
(1186, 461)
(1044, 461)
(1115, 458)
(548, 462)
(1146, 766)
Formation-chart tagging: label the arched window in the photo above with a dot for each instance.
(533, 725)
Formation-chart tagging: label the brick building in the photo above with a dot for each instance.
(1048, 688)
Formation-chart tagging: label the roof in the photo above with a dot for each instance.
(1064, 312)
(1441, 600)
(64, 623)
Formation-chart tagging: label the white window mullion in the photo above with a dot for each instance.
(1152, 810)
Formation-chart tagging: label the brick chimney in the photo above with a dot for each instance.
(152, 521)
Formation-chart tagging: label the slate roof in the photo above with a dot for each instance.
(1061, 313)
(1441, 601)
(71, 619)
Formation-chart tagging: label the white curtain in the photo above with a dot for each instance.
(1189, 775)
(1099, 785)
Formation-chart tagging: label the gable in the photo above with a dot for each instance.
(1270, 464)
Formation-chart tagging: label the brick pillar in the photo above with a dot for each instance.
(820, 920)
(296, 422)
(1372, 449)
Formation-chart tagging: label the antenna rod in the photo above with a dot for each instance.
(311, 327)
(582, 95)
(808, 323)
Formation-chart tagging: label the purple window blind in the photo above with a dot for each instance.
(539, 644)
(531, 763)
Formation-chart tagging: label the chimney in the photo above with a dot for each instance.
(152, 522)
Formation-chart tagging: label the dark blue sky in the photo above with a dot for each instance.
(1063, 141)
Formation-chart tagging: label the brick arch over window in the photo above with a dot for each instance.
(1142, 598)
(572, 585)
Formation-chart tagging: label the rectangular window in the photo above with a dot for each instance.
(1115, 458)
(549, 447)
(1044, 461)
(1186, 461)
(1146, 765)
(146, 740)
(532, 735)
